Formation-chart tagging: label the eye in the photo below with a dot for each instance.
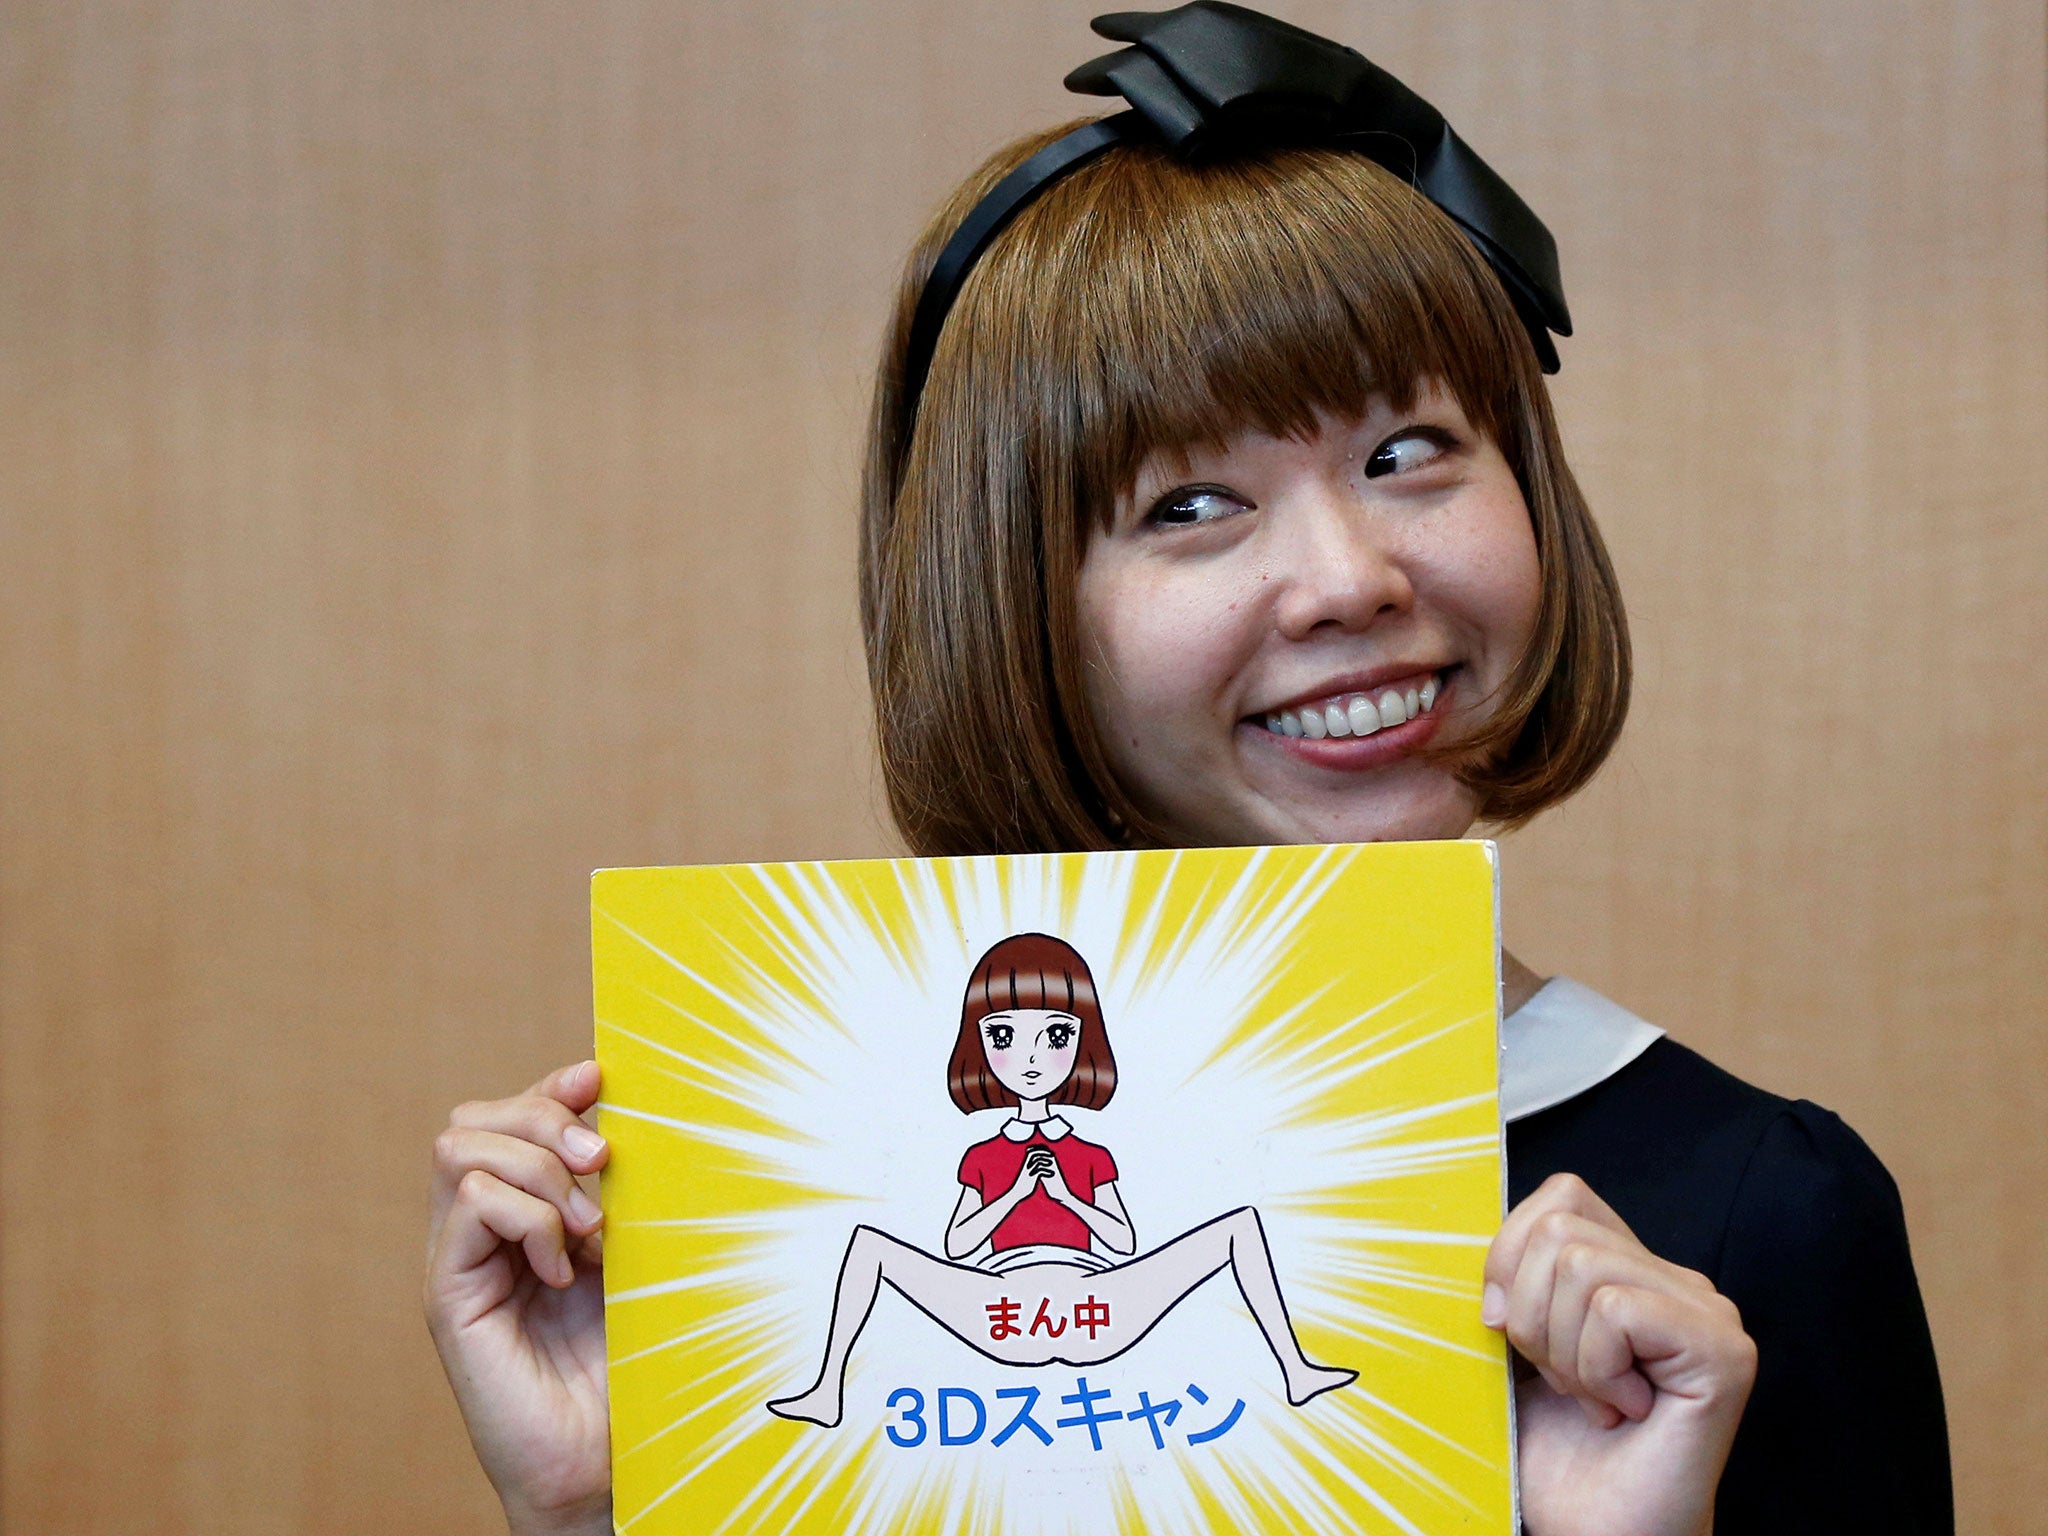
(1409, 449)
(999, 1036)
(1057, 1036)
(1189, 504)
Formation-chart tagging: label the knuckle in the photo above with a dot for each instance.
(466, 1114)
(448, 1147)
(1575, 1260)
(1556, 1227)
(1609, 1304)
(475, 1187)
(1743, 1354)
(544, 1120)
(1568, 1187)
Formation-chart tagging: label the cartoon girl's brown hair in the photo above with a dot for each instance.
(1031, 970)
(1146, 304)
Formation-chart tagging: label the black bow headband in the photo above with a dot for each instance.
(1209, 78)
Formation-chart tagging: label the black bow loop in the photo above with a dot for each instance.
(1214, 78)
(1137, 77)
(1242, 78)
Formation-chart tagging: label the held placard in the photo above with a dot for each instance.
(1136, 1192)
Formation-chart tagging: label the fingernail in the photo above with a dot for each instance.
(582, 1142)
(1493, 1305)
(583, 1208)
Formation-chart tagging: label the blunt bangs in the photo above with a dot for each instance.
(1174, 306)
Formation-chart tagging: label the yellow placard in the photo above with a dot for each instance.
(1124, 1192)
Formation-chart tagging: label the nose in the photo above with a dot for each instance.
(1339, 564)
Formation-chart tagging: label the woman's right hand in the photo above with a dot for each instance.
(1029, 1173)
(515, 1300)
(1643, 1366)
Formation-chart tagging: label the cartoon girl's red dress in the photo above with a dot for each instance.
(1040, 1230)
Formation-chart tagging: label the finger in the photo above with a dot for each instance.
(575, 1086)
(1564, 1193)
(489, 1213)
(1582, 1270)
(1531, 1288)
(548, 1119)
(1607, 1349)
(522, 1164)
(1676, 1341)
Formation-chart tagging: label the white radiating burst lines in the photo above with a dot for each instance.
(816, 1051)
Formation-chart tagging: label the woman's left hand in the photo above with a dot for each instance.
(1053, 1182)
(1643, 1370)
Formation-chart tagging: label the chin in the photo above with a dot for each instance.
(1419, 806)
(1430, 809)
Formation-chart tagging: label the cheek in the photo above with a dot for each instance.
(1487, 574)
(1159, 644)
(1516, 590)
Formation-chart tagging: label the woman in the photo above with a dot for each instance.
(1217, 498)
(1038, 1198)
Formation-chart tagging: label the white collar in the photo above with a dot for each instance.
(1562, 1041)
(1053, 1128)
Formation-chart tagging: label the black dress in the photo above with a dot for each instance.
(1795, 1220)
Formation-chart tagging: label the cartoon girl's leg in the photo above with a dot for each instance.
(860, 1277)
(1150, 1287)
(951, 1294)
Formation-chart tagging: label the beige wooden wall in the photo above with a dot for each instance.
(426, 457)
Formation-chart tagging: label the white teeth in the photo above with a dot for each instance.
(1357, 714)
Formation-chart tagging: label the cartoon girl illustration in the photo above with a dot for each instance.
(1040, 1266)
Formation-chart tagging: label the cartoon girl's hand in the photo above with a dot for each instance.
(1028, 1174)
(1643, 1371)
(515, 1299)
(1055, 1182)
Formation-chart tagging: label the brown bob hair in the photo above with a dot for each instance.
(1031, 970)
(1144, 304)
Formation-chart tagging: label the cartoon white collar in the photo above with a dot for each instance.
(1023, 1130)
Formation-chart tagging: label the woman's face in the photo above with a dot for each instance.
(1274, 628)
(1031, 1050)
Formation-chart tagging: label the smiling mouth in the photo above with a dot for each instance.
(1363, 713)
